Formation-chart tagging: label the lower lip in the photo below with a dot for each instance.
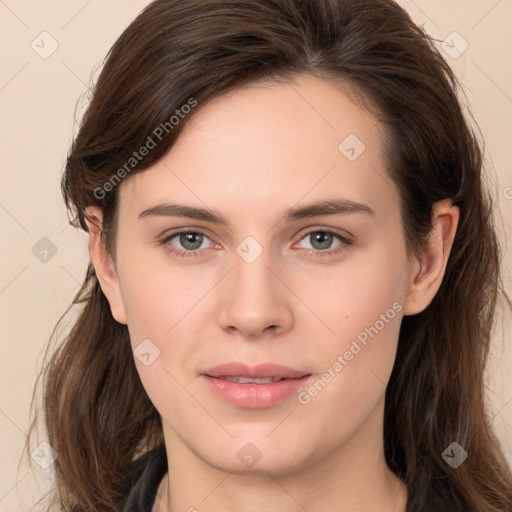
(256, 396)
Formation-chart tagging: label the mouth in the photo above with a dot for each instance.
(264, 373)
(253, 380)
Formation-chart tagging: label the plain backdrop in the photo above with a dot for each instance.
(49, 52)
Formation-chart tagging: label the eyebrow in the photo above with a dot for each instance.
(320, 208)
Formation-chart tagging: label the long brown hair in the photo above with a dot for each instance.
(96, 412)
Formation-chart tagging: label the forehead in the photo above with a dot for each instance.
(270, 145)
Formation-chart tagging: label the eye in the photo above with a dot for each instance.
(193, 241)
(322, 239)
(190, 241)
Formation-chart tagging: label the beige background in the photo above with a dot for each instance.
(38, 97)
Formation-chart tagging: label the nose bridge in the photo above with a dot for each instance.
(253, 278)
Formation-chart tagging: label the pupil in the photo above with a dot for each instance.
(188, 238)
(324, 240)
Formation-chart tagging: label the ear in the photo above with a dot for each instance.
(103, 264)
(428, 270)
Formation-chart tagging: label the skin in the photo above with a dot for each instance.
(250, 155)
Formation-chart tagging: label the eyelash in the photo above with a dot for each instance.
(310, 252)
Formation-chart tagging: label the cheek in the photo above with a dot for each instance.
(166, 305)
(156, 295)
(363, 309)
(159, 313)
(352, 296)
(366, 323)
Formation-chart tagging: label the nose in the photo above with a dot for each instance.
(255, 299)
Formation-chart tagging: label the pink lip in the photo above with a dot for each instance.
(255, 396)
(238, 369)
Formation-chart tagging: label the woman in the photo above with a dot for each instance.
(291, 306)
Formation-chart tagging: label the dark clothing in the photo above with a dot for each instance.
(148, 471)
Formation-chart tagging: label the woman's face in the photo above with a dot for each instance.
(266, 287)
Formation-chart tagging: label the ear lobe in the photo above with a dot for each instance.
(103, 264)
(428, 270)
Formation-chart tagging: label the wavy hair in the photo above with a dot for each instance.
(97, 414)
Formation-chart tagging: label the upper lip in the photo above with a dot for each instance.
(238, 369)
